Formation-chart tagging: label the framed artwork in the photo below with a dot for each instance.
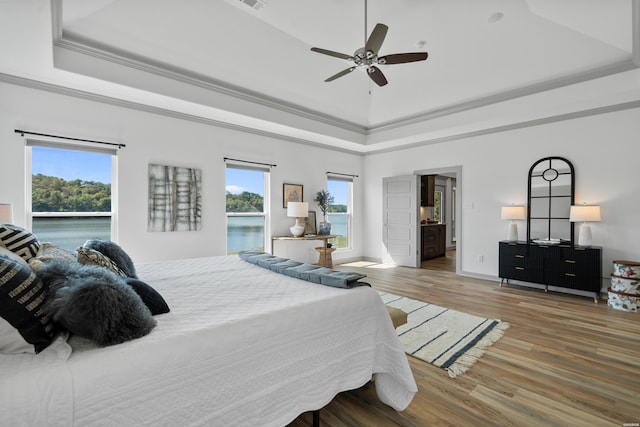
(175, 198)
(310, 223)
(291, 193)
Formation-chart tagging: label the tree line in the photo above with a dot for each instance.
(52, 194)
(252, 202)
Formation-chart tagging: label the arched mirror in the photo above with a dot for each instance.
(550, 196)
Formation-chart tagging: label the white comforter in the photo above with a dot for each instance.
(241, 346)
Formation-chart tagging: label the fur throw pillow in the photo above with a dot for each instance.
(115, 253)
(94, 303)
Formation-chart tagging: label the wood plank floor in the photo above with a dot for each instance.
(564, 361)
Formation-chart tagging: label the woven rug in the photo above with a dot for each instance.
(446, 338)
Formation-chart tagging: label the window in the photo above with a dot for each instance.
(71, 191)
(247, 190)
(341, 210)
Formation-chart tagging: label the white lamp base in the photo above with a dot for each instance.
(298, 229)
(584, 235)
(512, 235)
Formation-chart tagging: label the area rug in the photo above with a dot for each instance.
(446, 338)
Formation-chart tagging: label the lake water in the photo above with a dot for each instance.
(246, 232)
(243, 232)
(69, 233)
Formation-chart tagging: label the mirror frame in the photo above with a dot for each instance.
(552, 174)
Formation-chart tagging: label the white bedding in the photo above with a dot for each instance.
(241, 346)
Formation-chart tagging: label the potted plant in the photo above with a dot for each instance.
(324, 199)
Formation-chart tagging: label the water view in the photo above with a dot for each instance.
(243, 232)
(69, 233)
(247, 232)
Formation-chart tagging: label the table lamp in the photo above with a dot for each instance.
(512, 213)
(584, 214)
(299, 211)
(6, 213)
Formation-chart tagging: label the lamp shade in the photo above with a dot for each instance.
(298, 209)
(6, 213)
(584, 213)
(512, 212)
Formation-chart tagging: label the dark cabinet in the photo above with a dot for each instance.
(565, 266)
(427, 190)
(433, 241)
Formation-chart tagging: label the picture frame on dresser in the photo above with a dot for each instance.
(310, 224)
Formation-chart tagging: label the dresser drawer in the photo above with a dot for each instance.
(522, 272)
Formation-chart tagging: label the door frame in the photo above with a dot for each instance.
(457, 171)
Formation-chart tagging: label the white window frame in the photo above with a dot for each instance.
(349, 214)
(266, 202)
(70, 146)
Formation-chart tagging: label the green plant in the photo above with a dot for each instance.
(323, 199)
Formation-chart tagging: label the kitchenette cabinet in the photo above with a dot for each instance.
(433, 241)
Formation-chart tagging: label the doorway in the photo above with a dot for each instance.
(446, 210)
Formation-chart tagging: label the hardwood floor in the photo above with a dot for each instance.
(564, 361)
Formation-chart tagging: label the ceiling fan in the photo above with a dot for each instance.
(367, 57)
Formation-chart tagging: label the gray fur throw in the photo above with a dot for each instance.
(115, 253)
(94, 303)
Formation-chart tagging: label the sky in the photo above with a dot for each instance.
(239, 180)
(70, 165)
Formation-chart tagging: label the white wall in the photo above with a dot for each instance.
(152, 138)
(604, 150)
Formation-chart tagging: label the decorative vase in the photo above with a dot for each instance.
(324, 227)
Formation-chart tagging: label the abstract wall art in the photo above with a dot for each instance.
(175, 198)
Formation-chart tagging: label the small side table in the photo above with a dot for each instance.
(324, 258)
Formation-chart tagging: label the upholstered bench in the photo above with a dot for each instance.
(398, 317)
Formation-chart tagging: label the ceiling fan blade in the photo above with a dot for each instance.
(376, 38)
(340, 74)
(377, 76)
(332, 53)
(402, 58)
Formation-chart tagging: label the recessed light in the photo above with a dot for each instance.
(495, 17)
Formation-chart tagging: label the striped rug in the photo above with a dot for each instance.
(445, 338)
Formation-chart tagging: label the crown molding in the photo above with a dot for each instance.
(63, 90)
(66, 40)
(517, 125)
(90, 96)
(584, 76)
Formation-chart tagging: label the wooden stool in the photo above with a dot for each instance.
(324, 258)
(398, 317)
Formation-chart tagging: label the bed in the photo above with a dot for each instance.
(242, 345)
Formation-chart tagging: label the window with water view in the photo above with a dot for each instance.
(70, 195)
(339, 212)
(246, 190)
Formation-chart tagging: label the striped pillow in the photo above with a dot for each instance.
(22, 297)
(19, 241)
(92, 257)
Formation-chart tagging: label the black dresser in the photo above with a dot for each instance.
(563, 265)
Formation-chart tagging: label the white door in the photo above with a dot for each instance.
(400, 221)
